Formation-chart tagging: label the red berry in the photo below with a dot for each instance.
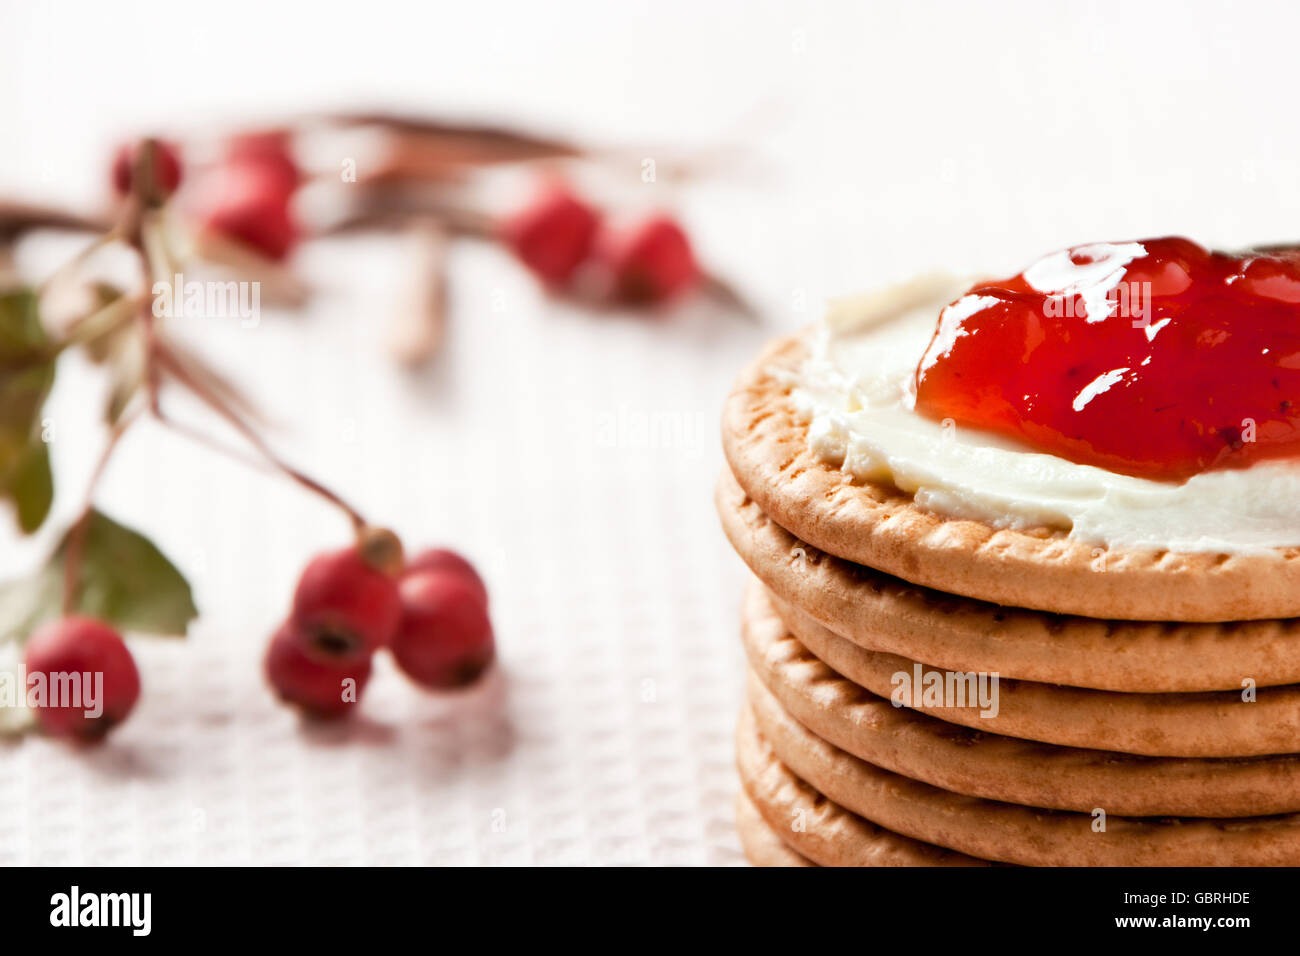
(651, 262)
(271, 152)
(344, 608)
(552, 235)
(167, 172)
(446, 560)
(321, 688)
(85, 666)
(445, 639)
(251, 205)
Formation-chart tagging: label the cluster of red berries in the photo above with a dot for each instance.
(246, 197)
(557, 233)
(431, 612)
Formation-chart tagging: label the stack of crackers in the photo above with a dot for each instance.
(1146, 708)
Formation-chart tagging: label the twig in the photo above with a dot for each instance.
(469, 143)
(78, 260)
(419, 323)
(210, 443)
(18, 217)
(728, 296)
(164, 359)
(105, 320)
(218, 384)
(159, 357)
(77, 534)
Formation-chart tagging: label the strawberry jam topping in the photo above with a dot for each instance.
(1156, 358)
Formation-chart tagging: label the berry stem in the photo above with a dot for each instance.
(77, 534)
(145, 186)
(140, 228)
(82, 256)
(129, 229)
(167, 361)
(211, 444)
(17, 218)
(104, 321)
(150, 247)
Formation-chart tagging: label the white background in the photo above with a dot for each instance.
(885, 139)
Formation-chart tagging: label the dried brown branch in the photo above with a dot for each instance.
(17, 218)
(167, 362)
(217, 383)
(463, 143)
(419, 321)
(727, 295)
(384, 208)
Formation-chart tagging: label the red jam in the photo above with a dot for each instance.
(1155, 358)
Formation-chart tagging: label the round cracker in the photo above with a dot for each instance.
(816, 828)
(1043, 569)
(761, 844)
(786, 675)
(1010, 833)
(884, 613)
(1221, 724)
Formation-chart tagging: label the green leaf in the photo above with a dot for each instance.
(20, 325)
(32, 487)
(124, 580)
(26, 376)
